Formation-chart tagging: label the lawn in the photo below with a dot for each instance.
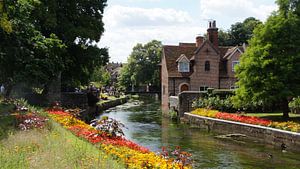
(51, 147)
(277, 117)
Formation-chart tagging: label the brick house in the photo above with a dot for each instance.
(198, 66)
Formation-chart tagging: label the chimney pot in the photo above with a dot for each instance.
(212, 33)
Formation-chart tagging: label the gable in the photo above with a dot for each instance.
(183, 58)
(207, 51)
(207, 46)
(232, 52)
(172, 54)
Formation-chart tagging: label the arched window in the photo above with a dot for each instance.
(207, 66)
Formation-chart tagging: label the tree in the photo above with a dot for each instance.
(25, 54)
(101, 76)
(142, 66)
(224, 38)
(269, 70)
(241, 32)
(78, 23)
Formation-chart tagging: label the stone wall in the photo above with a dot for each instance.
(74, 99)
(112, 103)
(267, 135)
(186, 99)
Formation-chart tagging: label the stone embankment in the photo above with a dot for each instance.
(285, 140)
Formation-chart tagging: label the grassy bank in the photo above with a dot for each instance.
(277, 117)
(51, 147)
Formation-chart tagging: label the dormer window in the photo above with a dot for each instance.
(183, 64)
(184, 67)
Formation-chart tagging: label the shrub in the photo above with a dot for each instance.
(294, 105)
(215, 102)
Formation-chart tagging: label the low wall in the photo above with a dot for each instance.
(186, 99)
(74, 99)
(112, 103)
(267, 135)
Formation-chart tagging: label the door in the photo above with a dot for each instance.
(184, 87)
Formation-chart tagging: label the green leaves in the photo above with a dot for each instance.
(142, 67)
(269, 69)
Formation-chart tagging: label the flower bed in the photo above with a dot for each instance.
(132, 154)
(290, 126)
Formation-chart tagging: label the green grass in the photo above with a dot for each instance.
(7, 122)
(52, 147)
(276, 116)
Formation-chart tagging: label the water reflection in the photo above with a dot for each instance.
(147, 128)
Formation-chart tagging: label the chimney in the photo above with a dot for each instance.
(199, 41)
(212, 33)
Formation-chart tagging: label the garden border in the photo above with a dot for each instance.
(275, 137)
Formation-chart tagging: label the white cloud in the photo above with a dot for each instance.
(127, 26)
(132, 16)
(235, 10)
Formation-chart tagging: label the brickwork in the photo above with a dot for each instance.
(217, 75)
(175, 83)
(234, 57)
(185, 101)
(200, 77)
(164, 86)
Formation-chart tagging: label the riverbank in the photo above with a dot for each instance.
(280, 139)
(50, 146)
(106, 104)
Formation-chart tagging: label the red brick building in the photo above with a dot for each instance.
(198, 66)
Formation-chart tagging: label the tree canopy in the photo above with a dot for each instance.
(142, 67)
(41, 39)
(25, 54)
(239, 33)
(269, 70)
(78, 23)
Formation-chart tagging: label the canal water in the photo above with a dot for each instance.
(147, 127)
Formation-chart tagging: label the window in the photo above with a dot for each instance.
(184, 66)
(234, 87)
(203, 88)
(207, 66)
(234, 63)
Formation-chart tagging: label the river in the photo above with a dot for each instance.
(147, 127)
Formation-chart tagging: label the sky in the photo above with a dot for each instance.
(128, 22)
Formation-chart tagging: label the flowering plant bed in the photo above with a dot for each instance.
(132, 154)
(290, 126)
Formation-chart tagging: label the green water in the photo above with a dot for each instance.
(146, 127)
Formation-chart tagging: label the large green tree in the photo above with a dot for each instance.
(269, 70)
(241, 32)
(25, 54)
(142, 67)
(78, 23)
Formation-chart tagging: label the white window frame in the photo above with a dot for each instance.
(183, 66)
(234, 63)
(205, 88)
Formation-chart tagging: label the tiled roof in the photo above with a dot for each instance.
(172, 53)
(231, 50)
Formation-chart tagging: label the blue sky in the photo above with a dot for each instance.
(128, 22)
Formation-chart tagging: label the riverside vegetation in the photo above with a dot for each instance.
(34, 138)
